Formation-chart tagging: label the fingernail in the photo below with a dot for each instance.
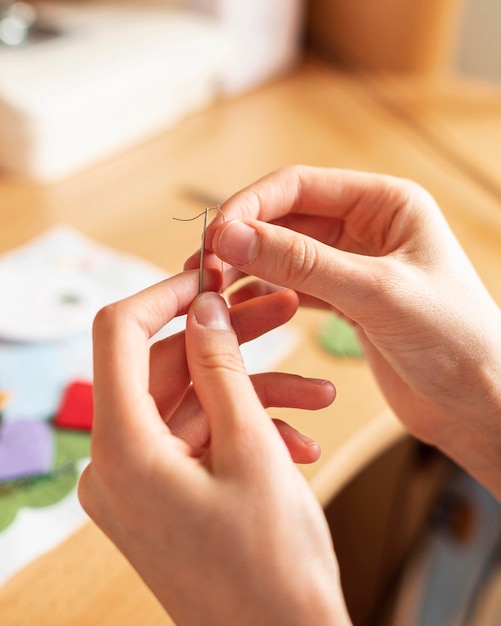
(238, 243)
(319, 381)
(289, 431)
(210, 310)
(305, 439)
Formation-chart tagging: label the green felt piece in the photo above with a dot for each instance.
(71, 446)
(339, 338)
(40, 491)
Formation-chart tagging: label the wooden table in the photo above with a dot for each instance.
(444, 135)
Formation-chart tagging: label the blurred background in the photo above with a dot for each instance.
(82, 80)
(117, 116)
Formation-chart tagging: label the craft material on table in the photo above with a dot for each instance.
(339, 338)
(4, 399)
(26, 449)
(51, 289)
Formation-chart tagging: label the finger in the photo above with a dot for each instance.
(361, 204)
(169, 374)
(250, 289)
(280, 389)
(254, 288)
(287, 258)
(210, 260)
(236, 417)
(190, 425)
(121, 335)
(230, 274)
(274, 389)
(250, 319)
(301, 448)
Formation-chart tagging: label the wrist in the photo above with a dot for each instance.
(473, 438)
(319, 601)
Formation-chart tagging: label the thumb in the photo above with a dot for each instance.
(237, 419)
(285, 257)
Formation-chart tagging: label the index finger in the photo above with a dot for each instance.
(121, 335)
(365, 201)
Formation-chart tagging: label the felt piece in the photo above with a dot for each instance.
(40, 356)
(76, 407)
(34, 374)
(70, 448)
(4, 399)
(53, 286)
(26, 449)
(339, 338)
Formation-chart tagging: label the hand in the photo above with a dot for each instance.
(232, 535)
(179, 406)
(377, 250)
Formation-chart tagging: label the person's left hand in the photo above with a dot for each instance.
(225, 532)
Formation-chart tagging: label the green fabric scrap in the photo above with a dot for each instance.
(339, 338)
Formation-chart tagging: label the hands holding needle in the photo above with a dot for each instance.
(193, 482)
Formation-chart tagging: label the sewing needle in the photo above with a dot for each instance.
(202, 253)
(202, 248)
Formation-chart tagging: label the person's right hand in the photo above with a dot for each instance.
(377, 250)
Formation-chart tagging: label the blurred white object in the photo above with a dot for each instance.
(113, 76)
(53, 286)
(16, 19)
(266, 37)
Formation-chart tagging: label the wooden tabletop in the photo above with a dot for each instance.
(445, 135)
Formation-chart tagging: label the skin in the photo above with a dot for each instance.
(216, 529)
(378, 251)
(191, 479)
(250, 319)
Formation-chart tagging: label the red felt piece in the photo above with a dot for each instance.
(76, 408)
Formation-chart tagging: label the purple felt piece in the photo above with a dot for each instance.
(26, 449)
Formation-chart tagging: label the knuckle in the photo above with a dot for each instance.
(289, 172)
(300, 260)
(406, 192)
(106, 318)
(224, 361)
